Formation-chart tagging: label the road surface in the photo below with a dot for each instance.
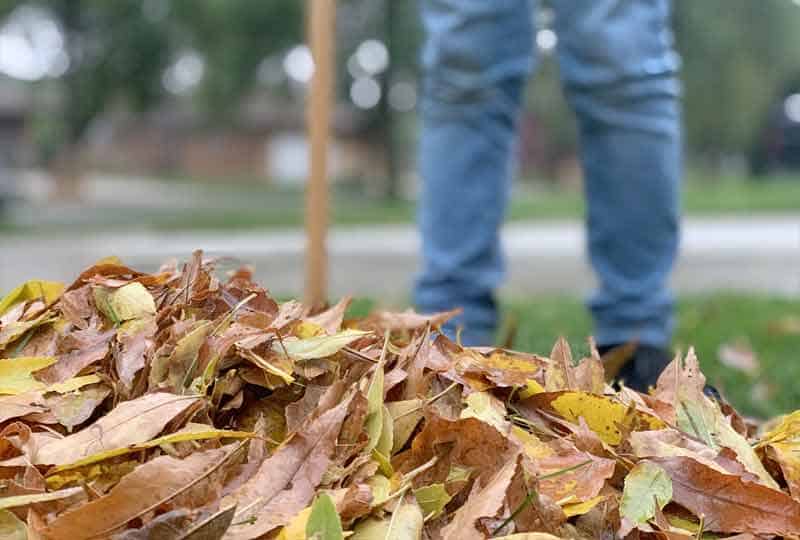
(732, 253)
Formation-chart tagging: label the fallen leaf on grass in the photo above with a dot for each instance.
(740, 356)
(786, 326)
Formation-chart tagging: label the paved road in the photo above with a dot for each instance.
(742, 253)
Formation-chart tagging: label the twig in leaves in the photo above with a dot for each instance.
(533, 494)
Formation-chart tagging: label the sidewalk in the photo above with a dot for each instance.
(732, 253)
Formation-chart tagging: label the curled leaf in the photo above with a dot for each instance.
(318, 346)
(16, 374)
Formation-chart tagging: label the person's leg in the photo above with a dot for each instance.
(476, 60)
(619, 71)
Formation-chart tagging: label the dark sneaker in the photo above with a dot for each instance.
(637, 366)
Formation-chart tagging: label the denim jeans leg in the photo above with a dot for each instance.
(619, 71)
(476, 60)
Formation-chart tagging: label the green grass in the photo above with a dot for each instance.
(248, 205)
(703, 322)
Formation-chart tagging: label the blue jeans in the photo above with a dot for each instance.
(619, 72)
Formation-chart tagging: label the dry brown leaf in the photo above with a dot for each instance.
(146, 488)
(76, 407)
(559, 374)
(485, 501)
(135, 340)
(130, 422)
(466, 443)
(579, 485)
(408, 320)
(21, 405)
(331, 320)
(729, 504)
(167, 526)
(213, 527)
(70, 364)
(286, 481)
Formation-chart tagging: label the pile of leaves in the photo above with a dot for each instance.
(190, 405)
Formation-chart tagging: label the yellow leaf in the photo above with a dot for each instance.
(405, 523)
(132, 301)
(374, 421)
(111, 472)
(370, 529)
(531, 388)
(384, 465)
(48, 291)
(183, 359)
(405, 417)
(111, 259)
(318, 346)
(16, 373)
(267, 366)
(324, 522)
(486, 408)
(11, 528)
(432, 499)
(580, 508)
(784, 444)
(383, 449)
(307, 329)
(73, 384)
(381, 488)
(603, 415)
(13, 331)
(296, 529)
(648, 488)
(533, 447)
(24, 500)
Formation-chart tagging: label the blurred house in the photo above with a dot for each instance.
(266, 141)
(15, 108)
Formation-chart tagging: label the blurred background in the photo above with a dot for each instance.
(149, 128)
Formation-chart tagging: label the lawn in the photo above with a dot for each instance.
(704, 322)
(247, 205)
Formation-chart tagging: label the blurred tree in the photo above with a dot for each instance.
(737, 56)
(119, 50)
(115, 52)
(234, 36)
